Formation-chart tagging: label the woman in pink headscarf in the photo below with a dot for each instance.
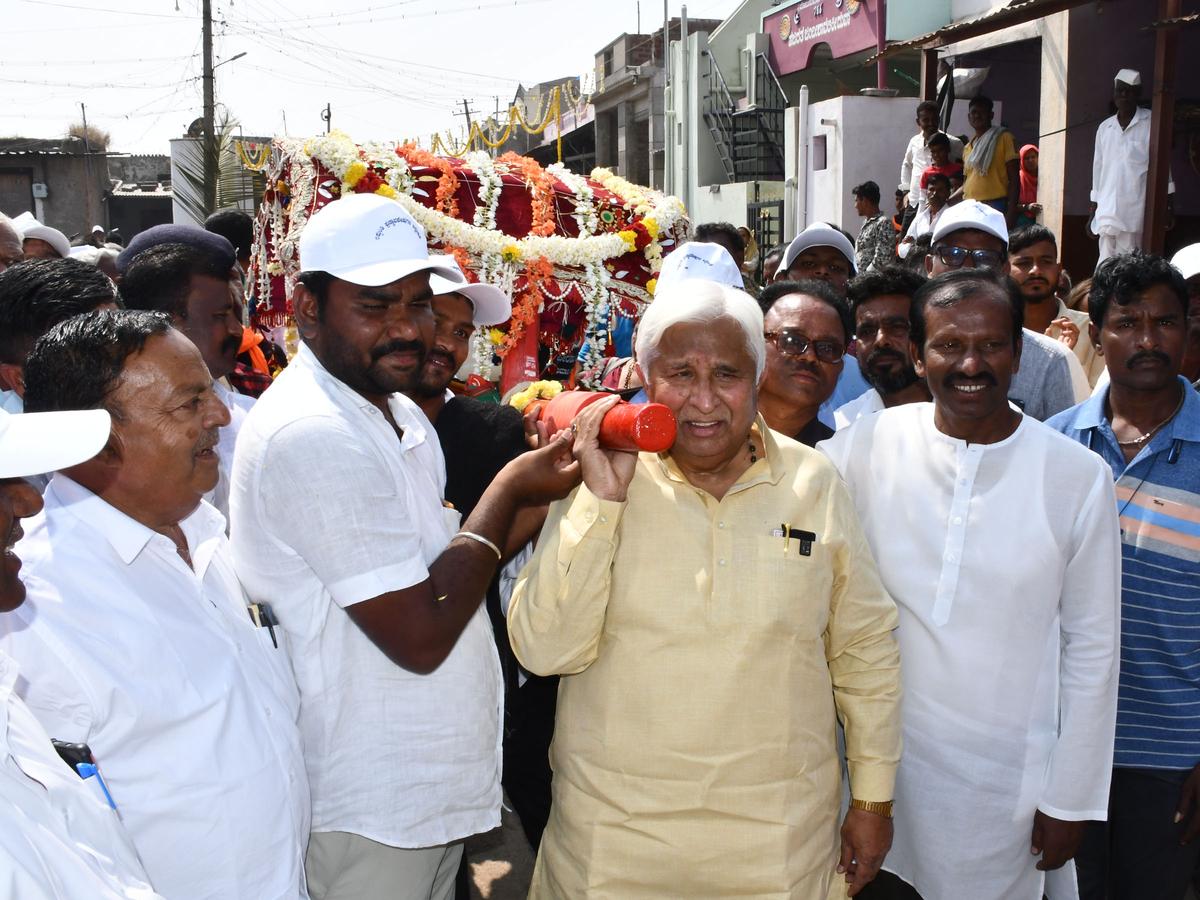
(1029, 207)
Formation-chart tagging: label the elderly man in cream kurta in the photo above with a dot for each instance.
(713, 612)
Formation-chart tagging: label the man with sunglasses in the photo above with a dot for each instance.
(807, 327)
(974, 235)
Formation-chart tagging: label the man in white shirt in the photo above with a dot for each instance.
(1120, 164)
(917, 157)
(136, 638)
(881, 303)
(59, 839)
(338, 518)
(999, 542)
(191, 274)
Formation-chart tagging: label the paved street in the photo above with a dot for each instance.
(501, 861)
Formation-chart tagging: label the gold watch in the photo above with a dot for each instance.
(879, 807)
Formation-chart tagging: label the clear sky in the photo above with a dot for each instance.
(390, 68)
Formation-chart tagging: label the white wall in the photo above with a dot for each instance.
(865, 140)
(725, 204)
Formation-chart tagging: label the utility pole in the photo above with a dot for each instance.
(210, 140)
(327, 115)
(496, 125)
(467, 113)
(87, 168)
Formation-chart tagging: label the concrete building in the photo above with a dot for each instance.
(57, 180)
(140, 194)
(777, 113)
(630, 84)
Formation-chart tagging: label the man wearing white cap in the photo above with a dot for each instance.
(819, 251)
(1120, 164)
(974, 235)
(478, 439)
(1187, 261)
(136, 638)
(60, 839)
(337, 518)
(824, 253)
(41, 241)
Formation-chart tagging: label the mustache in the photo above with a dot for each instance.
(397, 346)
(1141, 355)
(231, 344)
(208, 441)
(883, 353)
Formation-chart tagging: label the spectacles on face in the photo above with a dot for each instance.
(791, 342)
(956, 257)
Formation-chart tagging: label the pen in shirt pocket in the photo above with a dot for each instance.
(805, 539)
(262, 617)
(79, 757)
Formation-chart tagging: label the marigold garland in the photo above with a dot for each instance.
(527, 304)
(444, 199)
(537, 390)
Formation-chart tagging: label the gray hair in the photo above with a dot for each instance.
(7, 225)
(699, 302)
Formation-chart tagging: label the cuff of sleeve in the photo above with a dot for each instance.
(874, 783)
(1092, 197)
(592, 517)
(1074, 815)
(369, 585)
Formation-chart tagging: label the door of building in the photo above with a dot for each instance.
(765, 219)
(16, 191)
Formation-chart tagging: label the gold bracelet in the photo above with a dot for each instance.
(481, 539)
(878, 807)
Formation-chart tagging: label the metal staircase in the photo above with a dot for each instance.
(749, 141)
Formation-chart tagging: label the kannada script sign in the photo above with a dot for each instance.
(847, 26)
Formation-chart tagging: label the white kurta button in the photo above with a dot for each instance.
(720, 562)
(720, 524)
(958, 520)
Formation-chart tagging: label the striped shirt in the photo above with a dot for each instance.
(1158, 497)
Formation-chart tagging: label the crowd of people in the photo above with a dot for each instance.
(907, 610)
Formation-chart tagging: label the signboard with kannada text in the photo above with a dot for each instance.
(847, 26)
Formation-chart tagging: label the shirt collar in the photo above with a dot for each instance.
(771, 472)
(127, 536)
(406, 413)
(1185, 425)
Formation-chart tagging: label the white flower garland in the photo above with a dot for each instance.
(585, 214)
(337, 153)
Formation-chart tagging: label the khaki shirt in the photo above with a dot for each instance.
(705, 663)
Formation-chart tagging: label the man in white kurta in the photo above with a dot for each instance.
(1003, 559)
(1120, 166)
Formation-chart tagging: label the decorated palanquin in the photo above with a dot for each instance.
(579, 256)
